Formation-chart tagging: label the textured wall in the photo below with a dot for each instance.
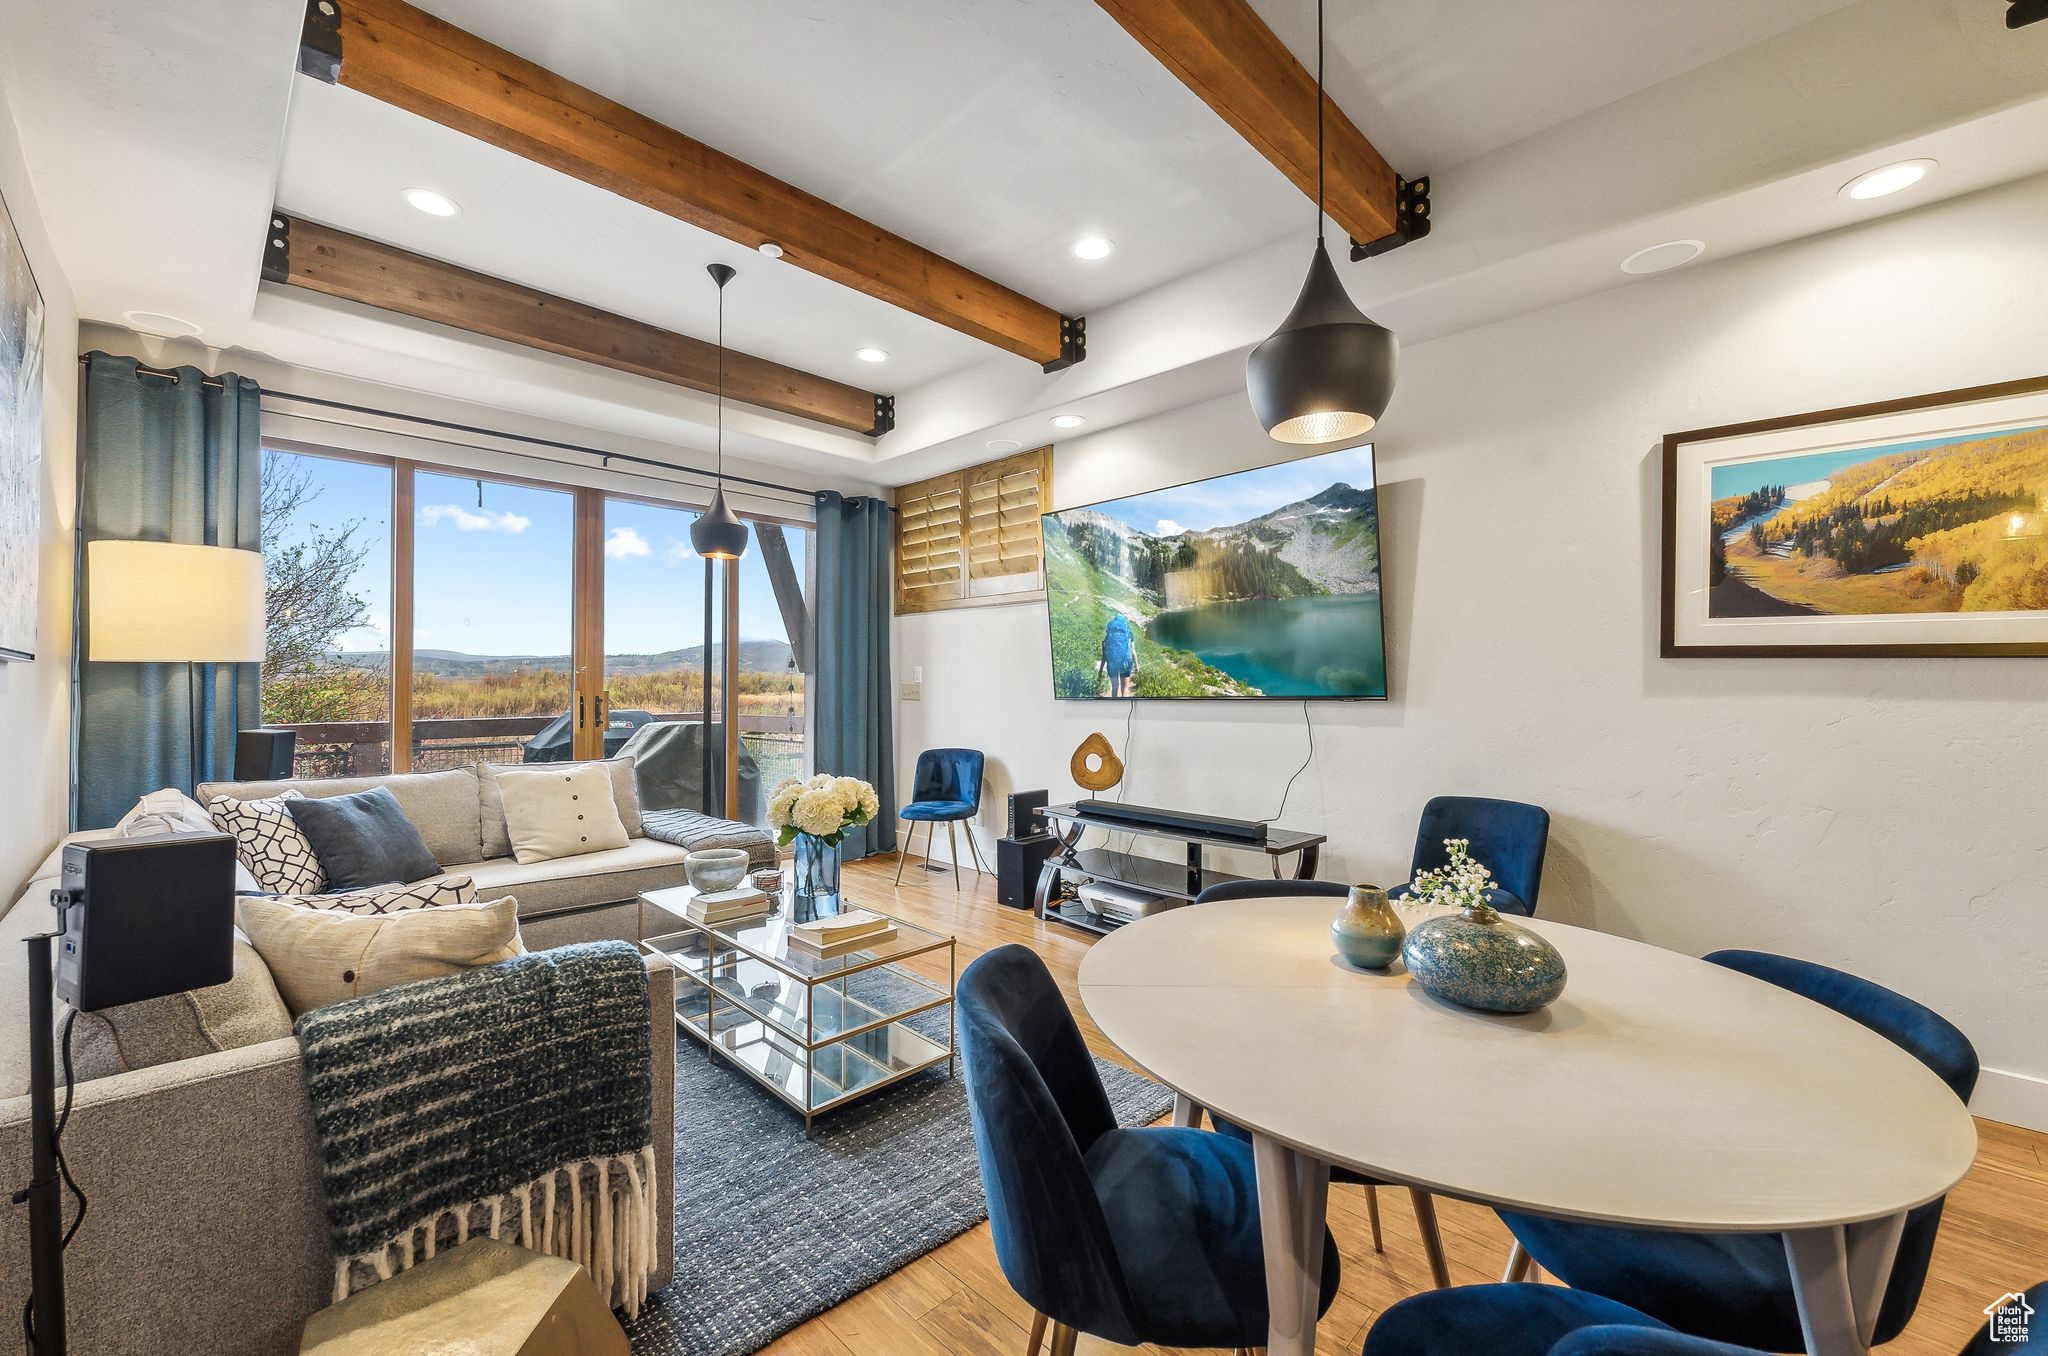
(1888, 816)
(35, 704)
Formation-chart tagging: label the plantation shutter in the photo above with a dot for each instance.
(973, 537)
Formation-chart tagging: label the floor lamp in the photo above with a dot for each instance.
(159, 602)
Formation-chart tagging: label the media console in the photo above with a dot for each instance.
(1179, 881)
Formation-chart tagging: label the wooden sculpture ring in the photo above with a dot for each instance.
(1095, 766)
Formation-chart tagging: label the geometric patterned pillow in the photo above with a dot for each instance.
(422, 894)
(268, 841)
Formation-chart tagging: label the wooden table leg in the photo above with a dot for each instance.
(1840, 1275)
(1294, 1197)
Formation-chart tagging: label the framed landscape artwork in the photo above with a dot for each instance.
(21, 444)
(1913, 527)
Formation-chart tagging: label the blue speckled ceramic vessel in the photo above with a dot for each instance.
(1366, 930)
(1485, 963)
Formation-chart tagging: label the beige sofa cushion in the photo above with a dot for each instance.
(497, 839)
(247, 1010)
(559, 812)
(321, 956)
(443, 806)
(574, 882)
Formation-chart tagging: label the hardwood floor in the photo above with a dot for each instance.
(1994, 1233)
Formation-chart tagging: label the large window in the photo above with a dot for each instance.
(327, 604)
(424, 618)
(493, 622)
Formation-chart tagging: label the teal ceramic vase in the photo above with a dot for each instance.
(1477, 959)
(1366, 930)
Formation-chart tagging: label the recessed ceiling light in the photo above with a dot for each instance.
(1003, 445)
(161, 325)
(1657, 258)
(1067, 421)
(432, 203)
(1886, 179)
(1093, 247)
(771, 249)
(872, 355)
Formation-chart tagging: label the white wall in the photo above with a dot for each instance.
(35, 706)
(1886, 816)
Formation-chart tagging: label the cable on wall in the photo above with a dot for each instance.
(1309, 724)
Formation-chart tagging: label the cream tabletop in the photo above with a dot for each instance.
(1658, 1091)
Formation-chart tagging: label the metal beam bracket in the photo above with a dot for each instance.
(1411, 219)
(1073, 343)
(885, 415)
(320, 41)
(277, 249)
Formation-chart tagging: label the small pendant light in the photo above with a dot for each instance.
(1327, 372)
(718, 534)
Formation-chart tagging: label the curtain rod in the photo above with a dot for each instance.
(215, 382)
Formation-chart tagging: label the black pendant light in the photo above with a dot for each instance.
(1327, 372)
(718, 534)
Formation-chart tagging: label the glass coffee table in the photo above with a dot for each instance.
(816, 1033)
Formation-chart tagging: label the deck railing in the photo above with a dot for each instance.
(361, 748)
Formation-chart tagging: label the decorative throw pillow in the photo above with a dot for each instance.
(497, 842)
(560, 811)
(423, 894)
(363, 839)
(172, 811)
(246, 1010)
(321, 956)
(268, 842)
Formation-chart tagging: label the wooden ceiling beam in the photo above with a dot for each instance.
(1224, 52)
(305, 254)
(406, 57)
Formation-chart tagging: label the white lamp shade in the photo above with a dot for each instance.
(160, 602)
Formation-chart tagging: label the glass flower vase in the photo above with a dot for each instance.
(815, 879)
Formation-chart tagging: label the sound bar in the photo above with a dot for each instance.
(1175, 821)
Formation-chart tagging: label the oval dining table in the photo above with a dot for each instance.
(1658, 1092)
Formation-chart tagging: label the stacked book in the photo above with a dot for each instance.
(725, 907)
(841, 934)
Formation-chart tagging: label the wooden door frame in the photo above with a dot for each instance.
(589, 700)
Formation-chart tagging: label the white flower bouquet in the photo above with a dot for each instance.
(1461, 883)
(824, 807)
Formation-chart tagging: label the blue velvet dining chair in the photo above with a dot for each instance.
(1425, 1205)
(1550, 1320)
(1133, 1236)
(1738, 1287)
(1508, 837)
(946, 790)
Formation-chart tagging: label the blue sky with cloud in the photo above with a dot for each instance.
(494, 577)
(1243, 495)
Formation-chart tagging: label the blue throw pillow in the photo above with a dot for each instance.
(363, 839)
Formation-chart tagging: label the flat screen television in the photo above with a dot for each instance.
(1256, 584)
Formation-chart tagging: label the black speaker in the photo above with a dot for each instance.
(1025, 819)
(264, 755)
(145, 917)
(1018, 862)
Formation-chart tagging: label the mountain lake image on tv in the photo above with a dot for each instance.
(1261, 583)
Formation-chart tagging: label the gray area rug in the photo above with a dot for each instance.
(773, 1229)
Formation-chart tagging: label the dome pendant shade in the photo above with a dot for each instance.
(1328, 372)
(718, 533)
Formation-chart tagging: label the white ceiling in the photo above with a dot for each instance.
(1559, 136)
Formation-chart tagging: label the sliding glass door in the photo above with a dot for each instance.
(664, 651)
(493, 622)
(424, 618)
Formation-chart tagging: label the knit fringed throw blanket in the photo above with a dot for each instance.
(513, 1101)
